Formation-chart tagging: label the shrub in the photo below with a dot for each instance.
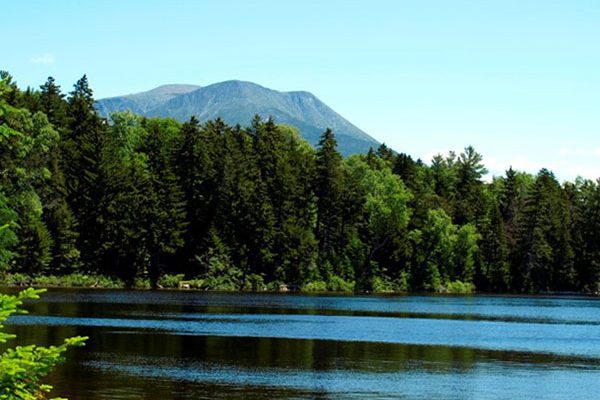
(71, 280)
(382, 285)
(402, 282)
(274, 286)
(220, 274)
(458, 287)
(254, 283)
(49, 281)
(314, 286)
(22, 368)
(17, 279)
(171, 281)
(192, 284)
(338, 284)
(141, 283)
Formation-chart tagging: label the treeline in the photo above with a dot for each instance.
(244, 207)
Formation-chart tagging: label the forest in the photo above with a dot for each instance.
(255, 208)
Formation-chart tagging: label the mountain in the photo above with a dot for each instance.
(238, 102)
(142, 103)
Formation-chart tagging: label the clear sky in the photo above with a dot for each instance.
(518, 80)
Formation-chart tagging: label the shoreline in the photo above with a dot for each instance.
(99, 282)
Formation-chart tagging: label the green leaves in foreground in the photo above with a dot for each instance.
(23, 367)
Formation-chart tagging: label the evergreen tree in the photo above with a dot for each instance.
(53, 104)
(444, 179)
(164, 207)
(386, 154)
(82, 149)
(469, 194)
(197, 175)
(328, 191)
(240, 206)
(495, 270)
(123, 208)
(585, 202)
(546, 256)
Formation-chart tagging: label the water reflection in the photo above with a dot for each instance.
(173, 345)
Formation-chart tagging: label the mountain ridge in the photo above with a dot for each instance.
(237, 102)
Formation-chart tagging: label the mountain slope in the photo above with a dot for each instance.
(238, 102)
(141, 103)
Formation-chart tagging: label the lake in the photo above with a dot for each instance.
(196, 345)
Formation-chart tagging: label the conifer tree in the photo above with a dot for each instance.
(53, 104)
(164, 207)
(546, 255)
(586, 233)
(83, 147)
(469, 194)
(327, 186)
(495, 265)
(197, 176)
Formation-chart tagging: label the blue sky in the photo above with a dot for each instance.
(518, 80)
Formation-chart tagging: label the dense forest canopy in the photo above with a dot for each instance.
(244, 207)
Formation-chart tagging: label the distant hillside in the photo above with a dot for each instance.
(142, 103)
(238, 102)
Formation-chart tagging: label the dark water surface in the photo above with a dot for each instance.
(190, 345)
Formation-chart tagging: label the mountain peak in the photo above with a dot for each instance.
(237, 102)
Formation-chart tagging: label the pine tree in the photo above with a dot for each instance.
(327, 186)
(443, 174)
(587, 231)
(198, 179)
(293, 204)
(386, 154)
(82, 149)
(53, 104)
(494, 252)
(58, 217)
(546, 256)
(469, 194)
(164, 207)
(122, 247)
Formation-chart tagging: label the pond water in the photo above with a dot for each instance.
(194, 345)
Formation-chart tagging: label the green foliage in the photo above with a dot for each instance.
(219, 273)
(70, 280)
(314, 286)
(254, 283)
(443, 252)
(140, 283)
(155, 203)
(82, 149)
(328, 188)
(380, 284)
(385, 208)
(25, 140)
(8, 237)
(77, 280)
(23, 368)
(465, 248)
(171, 281)
(333, 284)
(545, 254)
(337, 284)
(458, 287)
